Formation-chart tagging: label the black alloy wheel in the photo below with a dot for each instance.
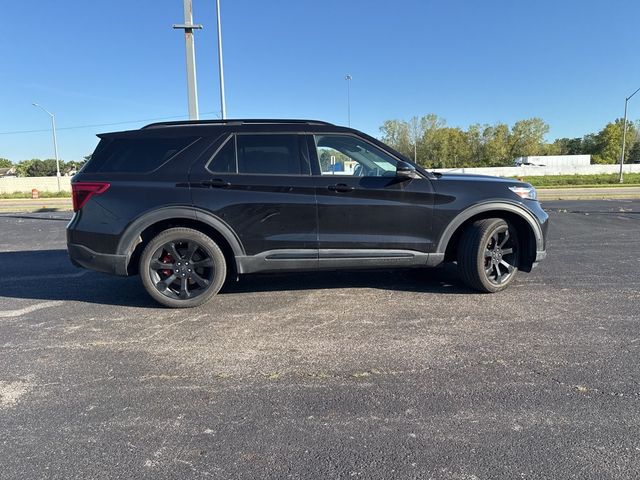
(488, 255)
(182, 267)
(500, 256)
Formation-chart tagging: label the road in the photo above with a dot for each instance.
(333, 375)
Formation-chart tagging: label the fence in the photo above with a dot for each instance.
(26, 184)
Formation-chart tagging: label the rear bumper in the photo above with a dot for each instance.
(82, 256)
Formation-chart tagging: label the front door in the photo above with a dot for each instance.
(363, 205)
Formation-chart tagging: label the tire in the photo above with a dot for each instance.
(189, 280)
(488, 255)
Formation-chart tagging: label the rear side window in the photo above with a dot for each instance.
(278, 154)
(137, 155)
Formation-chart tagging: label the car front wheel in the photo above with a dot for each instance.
(182, 268)
(488, 255)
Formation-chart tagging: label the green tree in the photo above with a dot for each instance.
(325, 158)
(415, 138)
(36, 168)
(430, 151)
(568, 146)
(589, 144)
(496, 149)
(475, 145)
(5, 163)
(448, 148)
(43, 168)
(527, 138)
(634, 152)
(22, 168)
(438, 145)
(608, 142)
(395, 133)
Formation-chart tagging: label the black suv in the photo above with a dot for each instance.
(188, 204)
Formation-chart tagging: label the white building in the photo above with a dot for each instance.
(554, 160)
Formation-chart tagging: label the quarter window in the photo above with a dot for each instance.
(224, 161)
(137, 155)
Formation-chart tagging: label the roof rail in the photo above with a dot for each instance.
(234, 122)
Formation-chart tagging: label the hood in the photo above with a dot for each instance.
(463, 177)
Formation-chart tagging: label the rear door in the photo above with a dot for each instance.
(260, 185)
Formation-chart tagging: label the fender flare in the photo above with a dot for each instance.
(487, 207)
(128, 239)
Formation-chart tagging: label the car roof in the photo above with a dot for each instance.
(217, 127)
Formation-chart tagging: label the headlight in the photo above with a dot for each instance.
(524, 192)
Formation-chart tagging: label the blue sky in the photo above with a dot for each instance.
(569, 62)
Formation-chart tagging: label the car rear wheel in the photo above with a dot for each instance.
(488, 255)
(182, 268)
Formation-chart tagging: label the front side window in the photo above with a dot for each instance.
(349, 155)
(276, 154)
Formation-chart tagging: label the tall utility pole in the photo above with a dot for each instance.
(55, 140)
(624, 132)
(223, 107)
(188, 26)
(348, 79)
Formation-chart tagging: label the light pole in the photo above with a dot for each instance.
(348, 79)
(223, 107)
(55, 140)
(624, 132)
(188, 26)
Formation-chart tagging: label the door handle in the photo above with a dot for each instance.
(341, 188)
(216, 183)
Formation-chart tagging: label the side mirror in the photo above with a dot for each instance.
(405, 170)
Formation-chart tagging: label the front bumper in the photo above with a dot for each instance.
(540, 255)
(82, 256)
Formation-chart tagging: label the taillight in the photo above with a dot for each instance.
(81, 192)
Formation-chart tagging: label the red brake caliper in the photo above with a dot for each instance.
(167, 258)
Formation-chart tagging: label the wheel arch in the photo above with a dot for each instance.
(148, 225)
(529, 230)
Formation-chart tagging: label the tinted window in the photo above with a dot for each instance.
(225, 158)
(274, 154)
(137, 154)
(348, 155)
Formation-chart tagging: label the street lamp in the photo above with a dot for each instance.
(348, 79)
(55, 140)
(624, 132)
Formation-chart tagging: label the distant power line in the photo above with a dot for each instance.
(15, 132)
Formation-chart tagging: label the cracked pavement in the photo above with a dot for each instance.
(326, 375)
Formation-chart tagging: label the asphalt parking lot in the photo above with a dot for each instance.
(332, 375)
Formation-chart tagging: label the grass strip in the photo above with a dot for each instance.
(593, 181)
(15, 195)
